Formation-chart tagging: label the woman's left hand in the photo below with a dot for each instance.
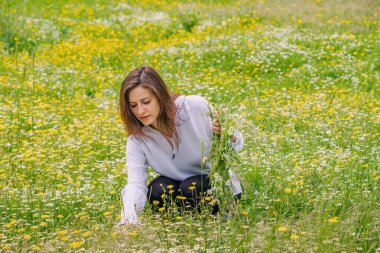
(216, 126)
(218, 130)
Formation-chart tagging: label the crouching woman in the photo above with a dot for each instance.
(171, 134)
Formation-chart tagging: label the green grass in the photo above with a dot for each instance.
(304, 78)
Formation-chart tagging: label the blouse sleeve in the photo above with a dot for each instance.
(134, 194)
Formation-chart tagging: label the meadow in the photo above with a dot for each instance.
(302, 81)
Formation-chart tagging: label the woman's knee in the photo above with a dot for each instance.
(161, 187)
(194, 186)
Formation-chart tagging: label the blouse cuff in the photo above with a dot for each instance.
(133, 198)
(239, 143)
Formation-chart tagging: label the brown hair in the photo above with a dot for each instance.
(148, 78)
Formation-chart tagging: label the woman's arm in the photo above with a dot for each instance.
(134, 194)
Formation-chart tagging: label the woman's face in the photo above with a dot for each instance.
(144, 106)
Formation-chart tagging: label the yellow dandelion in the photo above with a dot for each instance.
(193, 183)
(45, 216)
(87, 234)
(20, 230)
(62, 232)
(207, 198)
(161, 209)
(191, 187)
(35, 248)
(156, 202)
(6, 247)
(60, 216)
(133, 233)
(170, 186)
(27, 237)
(178, 218)
(64, 238)
(294, 237)
(76, 244)
(171, 191)
(282, 229)
(163, 195)
(76, 232)
(244, 212)
(43, 224)
(107, 214)
(288, 190)
(333, 220)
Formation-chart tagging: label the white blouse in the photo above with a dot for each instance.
(193, 121)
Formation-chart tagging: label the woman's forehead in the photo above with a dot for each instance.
(139, 93)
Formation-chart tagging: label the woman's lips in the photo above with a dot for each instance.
(144, 118)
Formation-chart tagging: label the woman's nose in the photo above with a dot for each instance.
(141, 110)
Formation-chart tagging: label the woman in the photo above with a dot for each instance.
(171, 134)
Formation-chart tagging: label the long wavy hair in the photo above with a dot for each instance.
(148, 78)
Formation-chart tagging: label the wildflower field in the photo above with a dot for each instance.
(302, 81)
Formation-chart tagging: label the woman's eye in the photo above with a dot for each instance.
(147, 102)
(132, 106)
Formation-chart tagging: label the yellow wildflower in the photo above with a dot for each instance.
(156, 202)
(178, 218)
(76, 244)
(6, 247)
(161, 209)
(288, 190)
(87, 234)
(294, 237)
(40, 194)
(62, 232)
(282, 229)
(170, 186)
(27, 237)
(35, 248)
(191, 187)
(333, 220)
(133, 233)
